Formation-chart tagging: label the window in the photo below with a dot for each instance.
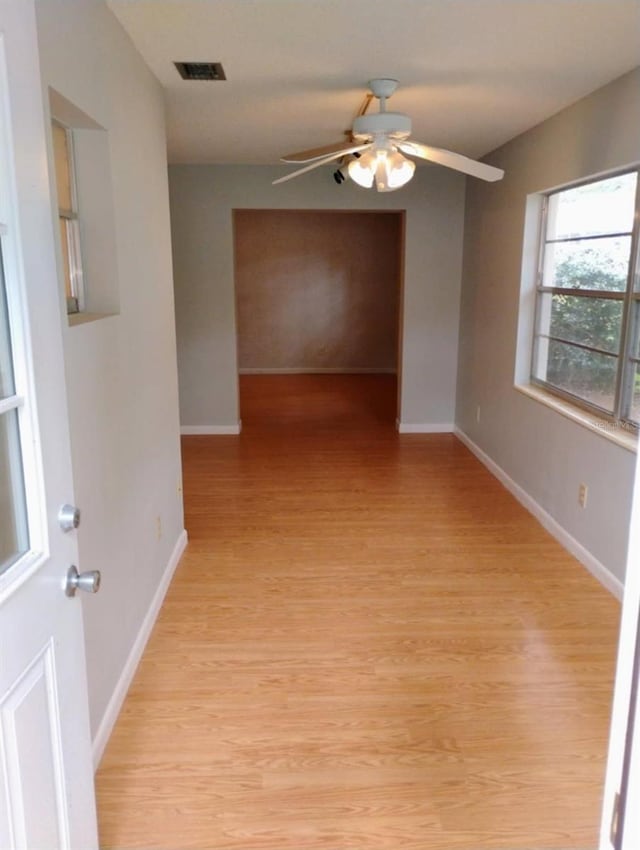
(587, 336)
(14, 530)
(68, 216)
(84, 212)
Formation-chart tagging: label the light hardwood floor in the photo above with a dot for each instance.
(368, 644)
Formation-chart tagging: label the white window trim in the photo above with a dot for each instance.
(615, 432)
(602, 426)
(564, 400)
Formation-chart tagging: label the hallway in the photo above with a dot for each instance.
(368, 644)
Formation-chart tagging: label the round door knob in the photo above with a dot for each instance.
(89, 581)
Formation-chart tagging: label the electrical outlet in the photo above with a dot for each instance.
(159, 526)
(583, 491)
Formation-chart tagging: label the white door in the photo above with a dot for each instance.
(46, 777)
(628, 815)
(621, 809)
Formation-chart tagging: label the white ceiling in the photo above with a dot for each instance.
(473, 73)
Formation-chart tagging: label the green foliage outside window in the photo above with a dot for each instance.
(596, 322)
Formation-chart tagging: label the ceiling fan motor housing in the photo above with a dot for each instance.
(393, 125)
(383, 86)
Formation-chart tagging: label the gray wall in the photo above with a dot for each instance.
(542, 451)
(121, 370)
(202, 200)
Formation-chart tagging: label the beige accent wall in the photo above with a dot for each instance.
(544, 453)
(317, 290)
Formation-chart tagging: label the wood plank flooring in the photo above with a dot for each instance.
(368, 644)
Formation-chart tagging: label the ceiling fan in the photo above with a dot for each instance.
(374, 157)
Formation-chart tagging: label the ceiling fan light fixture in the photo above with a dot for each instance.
(382, 167)
(399, 170)
(362, 170)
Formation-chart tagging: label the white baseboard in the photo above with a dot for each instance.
(424, 427)
(302, 370)
(120, 692)
(595, 567)
(211, 429)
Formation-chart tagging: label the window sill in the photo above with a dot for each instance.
(84, 318)
(609, 430)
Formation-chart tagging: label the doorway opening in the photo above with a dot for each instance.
(318, 316)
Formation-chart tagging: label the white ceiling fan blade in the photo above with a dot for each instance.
(452, 160)
(320, 162)
(340, 149)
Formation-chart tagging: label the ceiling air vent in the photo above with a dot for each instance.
(200, 70)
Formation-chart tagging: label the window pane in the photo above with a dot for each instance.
(634, 413)
(601, 264)
(596, 322)
(606, 206)
(62, 166)
(66, 265)
(585, 374)
(7, 385)
(14, 534)
(634, 340)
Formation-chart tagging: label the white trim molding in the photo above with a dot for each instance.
(424, 427)
(617, 432)
(593, 565)
(211, 429)
(128, 672)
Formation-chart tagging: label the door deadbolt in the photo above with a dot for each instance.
(68, 517)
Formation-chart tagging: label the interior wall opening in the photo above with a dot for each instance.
(318, 297)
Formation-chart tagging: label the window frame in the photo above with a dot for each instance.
(627, 360)
(75, 301)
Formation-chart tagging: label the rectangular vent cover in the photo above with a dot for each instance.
(200, 70)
